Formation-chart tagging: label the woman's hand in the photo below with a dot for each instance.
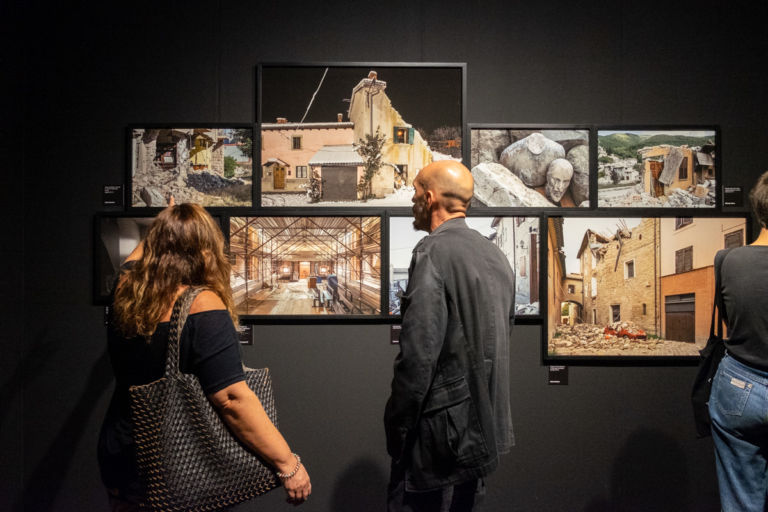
(298, 487)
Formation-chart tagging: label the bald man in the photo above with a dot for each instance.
(448, 417)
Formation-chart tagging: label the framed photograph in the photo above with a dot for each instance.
(531, 166)
(306, 266)
(354, 134)
(208, 164)
(116, 235)
(517, 237)
(633, 288)
(658, 168)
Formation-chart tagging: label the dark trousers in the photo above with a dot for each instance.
(454, 498)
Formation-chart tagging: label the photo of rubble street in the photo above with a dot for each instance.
(633, 286)
(667, 169)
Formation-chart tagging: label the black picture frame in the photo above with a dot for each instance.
(265, 292)
(413, 96)
(190, 160)
(678, 167)
(658, 279)
(518, 236)
(524, 159)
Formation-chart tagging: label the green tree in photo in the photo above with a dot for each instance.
(229, 166)
(370, 149)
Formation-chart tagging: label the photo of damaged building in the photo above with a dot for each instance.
(306, 265)
(208, 166)
(634, 286)
(673, 169)
(329, 161)
(517, 237)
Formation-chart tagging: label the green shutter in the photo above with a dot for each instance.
(394, 134)
(410, 135)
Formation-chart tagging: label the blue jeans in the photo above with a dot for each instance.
(738, 406)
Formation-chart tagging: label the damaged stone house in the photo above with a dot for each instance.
(666, 168)
(620, 280)
(572, 302)
(687, 272)
(181, 149)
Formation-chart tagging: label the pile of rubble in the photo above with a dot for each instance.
(527, 309)
(616, 336)
(696, 196)
(153, 188)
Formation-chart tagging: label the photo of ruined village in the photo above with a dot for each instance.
(633, 286)
(354, 136)
(306, 266)
(208, 166)
(660, 168)
(544, 168)
(517, 237)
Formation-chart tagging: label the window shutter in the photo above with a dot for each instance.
(394, 134)
(410, 136)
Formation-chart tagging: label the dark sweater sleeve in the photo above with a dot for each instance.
(214, 350)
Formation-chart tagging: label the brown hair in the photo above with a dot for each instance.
(758, 196)
(184, 246)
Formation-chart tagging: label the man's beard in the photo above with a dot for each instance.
(422, 220)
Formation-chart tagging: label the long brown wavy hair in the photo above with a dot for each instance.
(184, 246)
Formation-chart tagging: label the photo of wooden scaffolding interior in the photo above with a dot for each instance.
(306, 265)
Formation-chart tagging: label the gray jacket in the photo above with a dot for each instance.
(448, 417)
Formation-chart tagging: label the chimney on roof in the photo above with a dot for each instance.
(339, 117)
(372, 75)
(282, 120)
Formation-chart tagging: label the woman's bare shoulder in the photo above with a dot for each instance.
(207, 300)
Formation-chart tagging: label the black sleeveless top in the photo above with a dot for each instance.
(209, 348)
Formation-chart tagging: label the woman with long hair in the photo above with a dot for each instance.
(183, 248)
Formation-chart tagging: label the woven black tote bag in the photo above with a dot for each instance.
(187, 458)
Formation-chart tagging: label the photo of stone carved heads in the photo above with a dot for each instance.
(354, 135)
(633, 287)
(517, 237)
(543, 168)
(656, 168)
(115, 238)
(209, 166)
(307, 266)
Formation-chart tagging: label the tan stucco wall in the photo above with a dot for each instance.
(706, 235)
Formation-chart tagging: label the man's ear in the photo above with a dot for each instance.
(430, 197)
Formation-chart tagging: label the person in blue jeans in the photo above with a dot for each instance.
(738, 403)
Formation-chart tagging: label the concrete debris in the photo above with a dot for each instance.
(600, 338)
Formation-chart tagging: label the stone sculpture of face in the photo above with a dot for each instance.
(559, 174)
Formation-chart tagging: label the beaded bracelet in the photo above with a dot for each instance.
(286, 476)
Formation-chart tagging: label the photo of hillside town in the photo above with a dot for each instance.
(517, 237)
(208, 166)
(316, 266)
(354, 136)
(633, 286)
(545, 168)
(656, 168)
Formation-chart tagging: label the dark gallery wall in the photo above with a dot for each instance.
(615, 438)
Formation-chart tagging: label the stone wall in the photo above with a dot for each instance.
(615, 288)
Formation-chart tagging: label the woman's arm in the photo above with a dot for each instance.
(243, 413)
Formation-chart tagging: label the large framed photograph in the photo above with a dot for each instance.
(633, 288)
(658, 168)
(354, 134)
(531, 167)
(309, 267)
(207, 164)
(516, 236)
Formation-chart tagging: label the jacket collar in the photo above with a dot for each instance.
(457, 223)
